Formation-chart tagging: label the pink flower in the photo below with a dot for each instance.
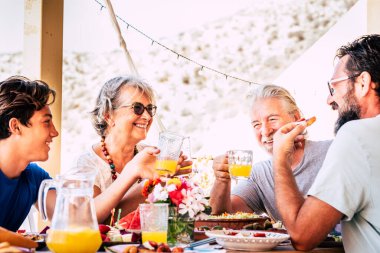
(186, 195)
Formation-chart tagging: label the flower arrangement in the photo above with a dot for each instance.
(186, 195)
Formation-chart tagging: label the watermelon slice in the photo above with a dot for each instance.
(131, 221)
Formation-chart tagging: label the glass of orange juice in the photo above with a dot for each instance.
(170, 148)
(154, 222)
(240, 163)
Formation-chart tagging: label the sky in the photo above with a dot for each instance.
(87, 27)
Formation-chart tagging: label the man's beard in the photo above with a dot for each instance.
(351, 113)
(268, 147)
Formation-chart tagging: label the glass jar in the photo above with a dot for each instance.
(180, 228)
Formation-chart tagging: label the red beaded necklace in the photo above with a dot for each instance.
(109, 159)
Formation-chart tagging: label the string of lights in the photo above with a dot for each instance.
(202, 66)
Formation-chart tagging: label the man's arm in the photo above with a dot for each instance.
(307, 221)
(220, 197)
(239, 205)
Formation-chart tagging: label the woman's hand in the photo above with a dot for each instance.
(183, 165)
(143, 165)
(220, 167)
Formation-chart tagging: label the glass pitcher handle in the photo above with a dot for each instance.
(42, 193)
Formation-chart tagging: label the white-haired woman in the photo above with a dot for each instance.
(122, 117)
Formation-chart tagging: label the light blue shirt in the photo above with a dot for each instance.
(349, 180)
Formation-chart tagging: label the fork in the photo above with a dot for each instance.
(201, 242)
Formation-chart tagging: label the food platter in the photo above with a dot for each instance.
(236, 221)
(247, 240)
(229, 223)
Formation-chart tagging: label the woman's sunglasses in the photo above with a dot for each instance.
(138, 108)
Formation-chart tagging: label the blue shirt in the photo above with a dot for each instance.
(18, 195)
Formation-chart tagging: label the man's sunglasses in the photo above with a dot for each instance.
(138, 108)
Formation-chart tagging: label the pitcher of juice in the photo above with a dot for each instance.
(74, 226)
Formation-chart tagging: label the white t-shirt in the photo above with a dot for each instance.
(258, 190)
(349, 180)
(103, 171)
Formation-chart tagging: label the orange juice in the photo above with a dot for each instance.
(156, 236)
(74, 240)
(166, 167)
(237, 170)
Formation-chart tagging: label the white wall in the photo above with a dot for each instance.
(307, 77)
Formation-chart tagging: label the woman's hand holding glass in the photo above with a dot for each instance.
(171, 159)
(143, 165)
(184, 165)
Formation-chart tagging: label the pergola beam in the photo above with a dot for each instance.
(43, 49)
(373, 21)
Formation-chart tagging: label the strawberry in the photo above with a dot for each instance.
(104, 229)
(103, 237)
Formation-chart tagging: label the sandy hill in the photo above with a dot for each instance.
(255, 44)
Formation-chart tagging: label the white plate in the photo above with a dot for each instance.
(245, 240)
(203, 248)
(118, 248)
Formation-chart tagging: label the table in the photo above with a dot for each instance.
(281, 249)
(286, 249)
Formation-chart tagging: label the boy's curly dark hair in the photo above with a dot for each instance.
(20, 98)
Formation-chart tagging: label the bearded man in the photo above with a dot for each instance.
(347, 187)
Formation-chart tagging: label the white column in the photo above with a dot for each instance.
(373, 19)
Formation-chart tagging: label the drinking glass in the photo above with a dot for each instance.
(154, 222)
(240, 163)
(170, 148)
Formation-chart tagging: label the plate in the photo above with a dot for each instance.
(118, 248)
(244, 239)
(111, 244)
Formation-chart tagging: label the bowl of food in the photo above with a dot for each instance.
(236, 221)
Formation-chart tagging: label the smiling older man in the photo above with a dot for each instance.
(272, 107)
